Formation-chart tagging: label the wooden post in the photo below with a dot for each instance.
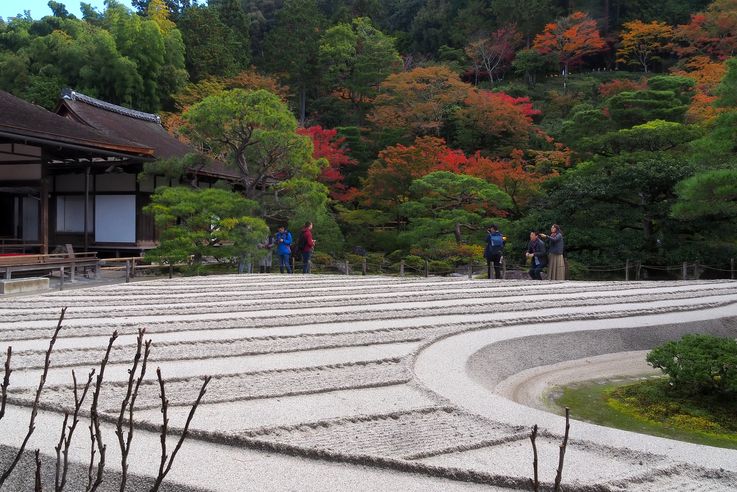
(401, 268)
(8, 273)
(171, 270)
(731, 268)
(470, 270)
(627, 270)
(61, 278)
(127, 271)
(364, 268)
(133, 268)
(427, 268)
(97, 270)
(347, 266)
(44, 206)
(685, 270)
(696, 270)
(294, 263)
(72, 272)
(639, 269)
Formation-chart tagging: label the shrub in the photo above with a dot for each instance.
(698, 364)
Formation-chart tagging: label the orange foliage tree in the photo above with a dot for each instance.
(328, 145)
(419, 100)
(642, 43)
(570, 39)
(492, 120)
(711, 33)
(391, 175)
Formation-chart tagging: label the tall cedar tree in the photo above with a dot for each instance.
(292, 48)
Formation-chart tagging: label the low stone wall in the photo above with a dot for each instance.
(19, 285)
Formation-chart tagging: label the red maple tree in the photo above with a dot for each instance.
(328, 145)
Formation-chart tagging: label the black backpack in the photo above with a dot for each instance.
(301, 242)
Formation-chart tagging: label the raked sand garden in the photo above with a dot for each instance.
(360, 383)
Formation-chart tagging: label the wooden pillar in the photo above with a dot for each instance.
(627, 270)
(685, 270)
(86, 207)
(731, 268)
(427, 269)
(401, 268)
(43, 223)
(364, 268)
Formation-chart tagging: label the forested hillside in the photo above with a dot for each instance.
(405, 127)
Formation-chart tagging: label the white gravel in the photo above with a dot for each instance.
(316, 375)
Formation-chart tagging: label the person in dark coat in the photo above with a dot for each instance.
(556, 262)
(283, 239)
(536, 255)
(308, 246)
(494, 250)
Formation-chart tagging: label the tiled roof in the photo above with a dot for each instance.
(20, 119)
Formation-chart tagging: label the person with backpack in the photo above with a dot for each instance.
(283, 239)
(494, 250)
(305, 246)
(537, 255)
(556, 262)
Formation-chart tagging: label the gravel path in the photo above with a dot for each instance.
(321, 374)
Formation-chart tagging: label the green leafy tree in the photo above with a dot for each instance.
(698, 364)
(445, 204)
(210, 45)
(195, 224)
(357, 57)
(304, 200)
(233, 15)
(255, 133)
(708, 195)
(292, 48)
(666, 98)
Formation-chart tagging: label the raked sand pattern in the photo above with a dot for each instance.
(323, 368)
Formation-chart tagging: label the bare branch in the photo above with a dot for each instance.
(58, 447)
(95, 429)
(6, 382)
(535, 480)
(38, 487)
(128, 403)
(563, 447)
(164, 429)
(34, 408)
(78, 400)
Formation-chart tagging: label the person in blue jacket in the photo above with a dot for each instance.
(283, 240)
(494, 250)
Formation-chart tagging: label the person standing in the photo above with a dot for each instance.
(494, 250)
(266, 260)
(307, 246)
(556, 262)
(283, 240)
(537, 256)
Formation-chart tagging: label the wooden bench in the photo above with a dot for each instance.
(49, 263)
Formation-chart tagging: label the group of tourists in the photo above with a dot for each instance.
(538, 254)
(283, 243)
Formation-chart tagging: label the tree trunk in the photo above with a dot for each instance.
(457, 232)
(302, 105)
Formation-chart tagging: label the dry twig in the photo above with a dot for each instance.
(95, 429)
(164, 464)
(535, 481)
(6, 383)
(62, 463)
(34, 408)
(128, 404)
(38, 487)
(562, 455)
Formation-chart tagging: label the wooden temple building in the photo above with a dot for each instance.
(71, 176)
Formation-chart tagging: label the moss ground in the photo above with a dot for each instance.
(649, 407)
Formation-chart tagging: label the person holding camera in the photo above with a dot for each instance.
(283, 240)
(536, 255)
(494, 250)
(556, 262)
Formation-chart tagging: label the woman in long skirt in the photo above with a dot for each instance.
(556, 262)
